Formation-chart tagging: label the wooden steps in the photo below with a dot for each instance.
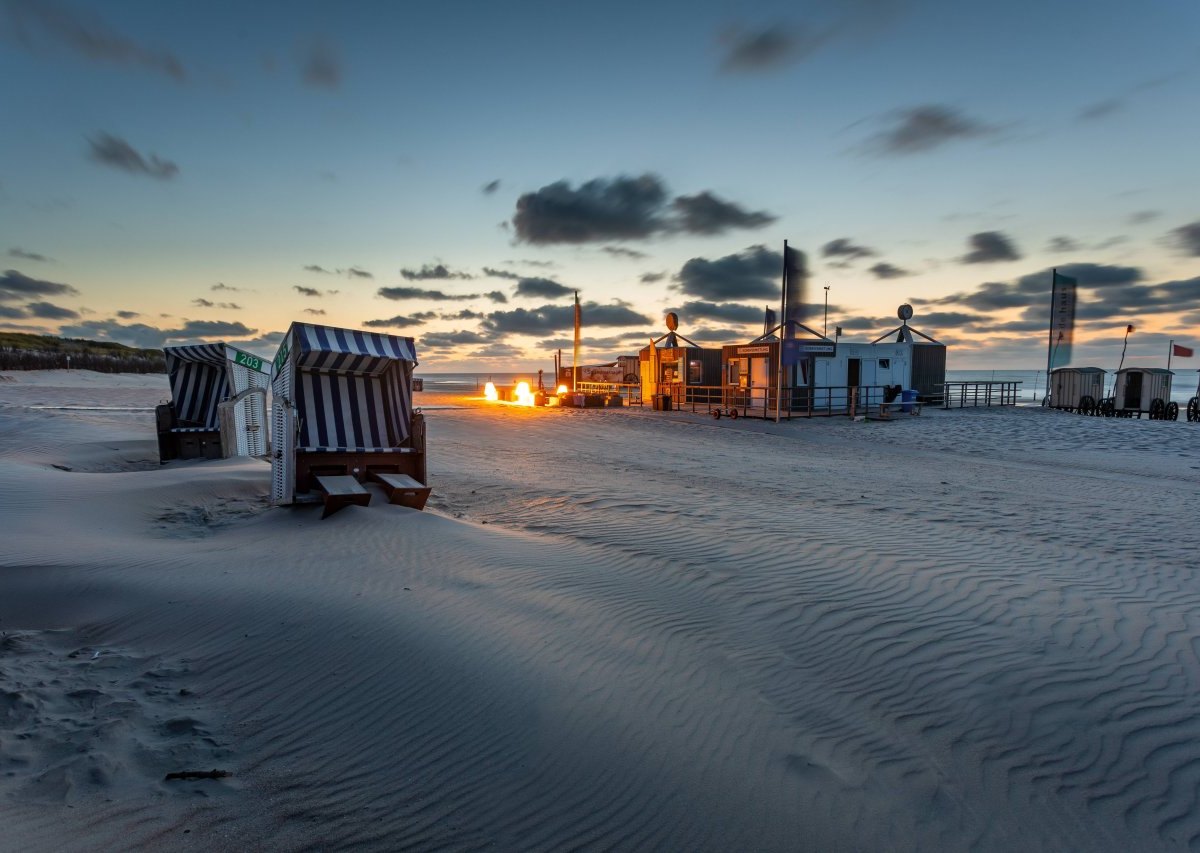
(403, 489)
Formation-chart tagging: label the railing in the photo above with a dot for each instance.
(958, 395)
(631, 394)
(800, 401)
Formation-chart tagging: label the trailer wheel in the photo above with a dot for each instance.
(1107, 407)
(733, 415)
(716, 413)
(1193, 409)
(1087, 405)
(632, 379)
(1172, 412)
(1157, 408)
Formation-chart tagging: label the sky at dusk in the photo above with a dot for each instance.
(454, 171)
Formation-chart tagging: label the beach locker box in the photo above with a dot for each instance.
(1069, 385)
(218, 405)
(342, 405)
(1136, 388)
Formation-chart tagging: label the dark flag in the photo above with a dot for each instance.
(1062, 320)
(795, 288)
(769, 321)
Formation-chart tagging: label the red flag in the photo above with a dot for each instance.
(1182, 352)
(1129, 330)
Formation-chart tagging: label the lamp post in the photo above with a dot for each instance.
(825, 325)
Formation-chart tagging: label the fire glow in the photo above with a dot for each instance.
(522, 394)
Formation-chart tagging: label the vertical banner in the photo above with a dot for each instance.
(1062, 320)
(575, 355)
(795, 287)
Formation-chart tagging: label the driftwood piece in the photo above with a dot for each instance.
(197, 774)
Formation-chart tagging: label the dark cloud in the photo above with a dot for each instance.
(844, 247)
(1063, 244)
(989, 247)
(884, 270)
(1185, 238)
(319, 312)
(128, 315)
(10, 312)
(116, 152)
(622, 252)
(441, 340)
(706, 214)
(652, 277)
(768, 47)
(752, 274)
(623, 208)
(401, 293)
(1100, 109)
(730, 312)
(432, 271)
(27, 256)
(211, 329)
(1141, 217)
(924, 128)
(15, 285)
(47, 311)
(202, 303)
(318, 269)
(355, 272)
(1095, 276)
(494, 273)
(497, 350)
(307, 291)
(542, 288)
(222, 286)
(491, 186)
(232, 306)
(320, 66)
(947, 318)
(33, 23)
(1032, 291)
(554, 318)
(399, 321)
(464, 314)
(133, 334)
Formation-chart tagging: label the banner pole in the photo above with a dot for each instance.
(1050, 338)
(782, 334)
(1170, 352)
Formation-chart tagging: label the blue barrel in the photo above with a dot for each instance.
(908, 395)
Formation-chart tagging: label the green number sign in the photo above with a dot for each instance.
(247, 360)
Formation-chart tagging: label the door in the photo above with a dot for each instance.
(1133, 391)
(853, 377)
(760, 381)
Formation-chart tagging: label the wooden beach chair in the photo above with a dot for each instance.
(342, 416)
(218, 404)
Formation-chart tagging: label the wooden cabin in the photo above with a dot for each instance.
(1139, 390)
(1076, 388)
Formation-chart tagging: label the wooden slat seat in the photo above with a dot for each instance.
(341, 490)
(403, 489)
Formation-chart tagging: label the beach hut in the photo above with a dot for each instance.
(1144, 390)
(218, 403)
(674, 373)
(1077, 389)
(926, 357)
(342, 416)
(752, 379)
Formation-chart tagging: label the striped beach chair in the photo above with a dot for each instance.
(218, 403)
(342, 417)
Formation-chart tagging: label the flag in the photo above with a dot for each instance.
(1062, 320)
(1129, 330)
(1182, 352)
(795, 282)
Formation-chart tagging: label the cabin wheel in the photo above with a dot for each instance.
(716, 413)
(1172, 412)
(1107, 407)
(733, 414)
(1193, 409)
(1157, 407)
(632, 379)
(1087, 405)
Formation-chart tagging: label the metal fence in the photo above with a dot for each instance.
(958, 395)
(797, 401)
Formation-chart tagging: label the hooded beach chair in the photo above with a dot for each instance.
(342, 416)
(218, 403)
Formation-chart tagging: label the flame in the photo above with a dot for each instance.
(562, 389)
(489, 391)
(523, 394)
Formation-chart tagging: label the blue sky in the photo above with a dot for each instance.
(453, 171)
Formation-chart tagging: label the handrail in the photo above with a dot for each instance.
(981, 393)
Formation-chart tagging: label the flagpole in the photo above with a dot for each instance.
(1050, 339)
(575, 354)
(783, 318)
(1170, 352)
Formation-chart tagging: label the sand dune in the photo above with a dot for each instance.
(611, 630)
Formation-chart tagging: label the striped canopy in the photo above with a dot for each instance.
(199, 382)
(352, 390)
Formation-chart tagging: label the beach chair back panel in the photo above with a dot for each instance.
(341, 410)
(198, 382)
(283, 438)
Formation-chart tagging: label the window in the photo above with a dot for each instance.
(695, 372)
(885, 364)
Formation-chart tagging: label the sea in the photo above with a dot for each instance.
(1029, 392)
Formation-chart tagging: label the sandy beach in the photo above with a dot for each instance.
(611, 629)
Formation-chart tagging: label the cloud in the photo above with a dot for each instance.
(441, 340)
(134, 334)
(768, 47)
(554, 318)
(32, 22)
(319, 312)
(10, 312)
(401, 293)
(15, 285)
(222, 286)
(989, 247)
(497, 350)
(47, 311)
(490, 187)
(211, 329)
(231, 306)
(432, 271)
(924, 128)
(128, 315)
(752, 274)
(542, 288)
(1185, 238)
(320, 66)
(494, 273)
(464, 314)
(1063, 244)
(116, 152)
(844, 247)
(355, 272)
(399, 321)
(1033, 289)
(202, 303)
(27, 256)
(623, 208)
(317, 269)
(1100, 109)
(652, 277)
(1141, 217)
(730, 312)
(307, 291)
(884, 270)
(622, 252)
(706, 214)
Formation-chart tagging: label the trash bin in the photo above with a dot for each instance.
(662, 402)
(908, 395)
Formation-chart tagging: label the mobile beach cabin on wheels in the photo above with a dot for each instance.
(342, 417)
